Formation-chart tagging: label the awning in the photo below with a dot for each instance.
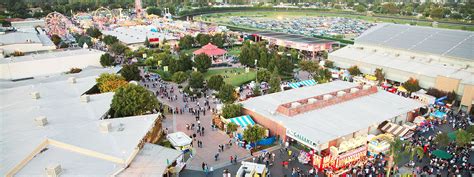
(243, 121)
(302, 83)
(442, 154)
(395, 129)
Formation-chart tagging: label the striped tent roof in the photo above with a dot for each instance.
(243, 121)
(303, 83)
(395, 129)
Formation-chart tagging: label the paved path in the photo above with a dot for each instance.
(211, 139)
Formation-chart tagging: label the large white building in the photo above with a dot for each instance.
(135, 36)
(47, 63)
(438, 58)
(50, 128)
(25, 42)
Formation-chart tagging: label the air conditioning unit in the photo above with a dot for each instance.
(341, 93)
(397, 55)
(354, 90)
(312, 100)
(365, 87)
(72, 80)
(105, 127)
(85, 98)
(53, 170)
(327, 97)
(295, 104)
(41, 121)
(35, 95)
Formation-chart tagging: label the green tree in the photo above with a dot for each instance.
(436, 12)
(309, 66)
(109, 40)
(202, 62)
(254, 133)
(322, 76)
(244, 56)
(133, 100)
(227, 94)
(94, 32)
(416, 150)
(232, 127)
(151, 61)
(231, 110)
(411, 85)
(186, 42)
(263, 75)
(110, 82)
(185, 63)
(179, 77)
(203, 39)
(463, 138)
(84, 39)
(130, 72)
(196, 80)
(56, 39)
(153, 10)
(360, 8)
(147, 42)
(396, 153)
(470, 129)
(106, 60)
(378, 73)
(215, 82)
(275, 82)
(256, 90)
(118, 48)
(442, 139)
(354, 70)
(328, 64)
(218, 40)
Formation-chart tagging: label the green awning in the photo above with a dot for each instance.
(452, 136)
(442, 154)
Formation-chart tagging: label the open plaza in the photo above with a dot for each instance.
(139, 90)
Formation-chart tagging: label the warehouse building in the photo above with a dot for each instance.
(438, 58)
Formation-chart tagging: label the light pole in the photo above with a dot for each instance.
(256, 72)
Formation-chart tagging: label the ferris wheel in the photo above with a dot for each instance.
(57, 23)
(102, 16)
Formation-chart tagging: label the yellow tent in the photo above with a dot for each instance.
(402, 89)
(370, 77)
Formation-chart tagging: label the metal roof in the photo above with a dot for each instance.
(444, 42)
(293, 37)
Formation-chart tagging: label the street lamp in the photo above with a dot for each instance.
(256, 68)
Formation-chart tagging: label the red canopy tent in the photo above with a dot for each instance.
(210, 50)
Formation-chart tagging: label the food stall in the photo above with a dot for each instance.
(379, 144)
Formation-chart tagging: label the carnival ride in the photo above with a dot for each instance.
(102, 17)
(57, 24)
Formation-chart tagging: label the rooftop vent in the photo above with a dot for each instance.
(41, 121)
(35, 95)
(85, 98)
(412, 57)
(295, 104)
(353, 90)
(365, 87)
(397, 54)
(341, 93)
(71, 80)
(105, 127)
(327, 97)
(375, 50)
(53, 170)
(312, 100)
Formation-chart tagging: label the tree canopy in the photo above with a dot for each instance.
(203, 39)
(106, 60)
(179, 77)
(196, 80)
(133, 100)
(227, 94)
(354, 70)
(411, 85)
(263, 75)
(202, 62)
(154, 11)
(94, 32)
(109, 39)
(274, 82)
(231, 110)
(215, 82)
(110, 82)
(254, 133)
(186, 42)
(130, 72)
(118, 48)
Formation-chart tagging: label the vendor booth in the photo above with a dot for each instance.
(302, 83)
(243, 121)
(379, 144)
(249, 169)
(180, 140)
(396, 130)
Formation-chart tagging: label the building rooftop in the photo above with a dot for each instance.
(444, 42)
(137, 34)
(419, 65)
(24, 38)
(72, 136)
(151, 161)
(48, 63)
(333, 121)
(293, 37)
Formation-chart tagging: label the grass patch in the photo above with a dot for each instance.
(235, 51)
(232, 76)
